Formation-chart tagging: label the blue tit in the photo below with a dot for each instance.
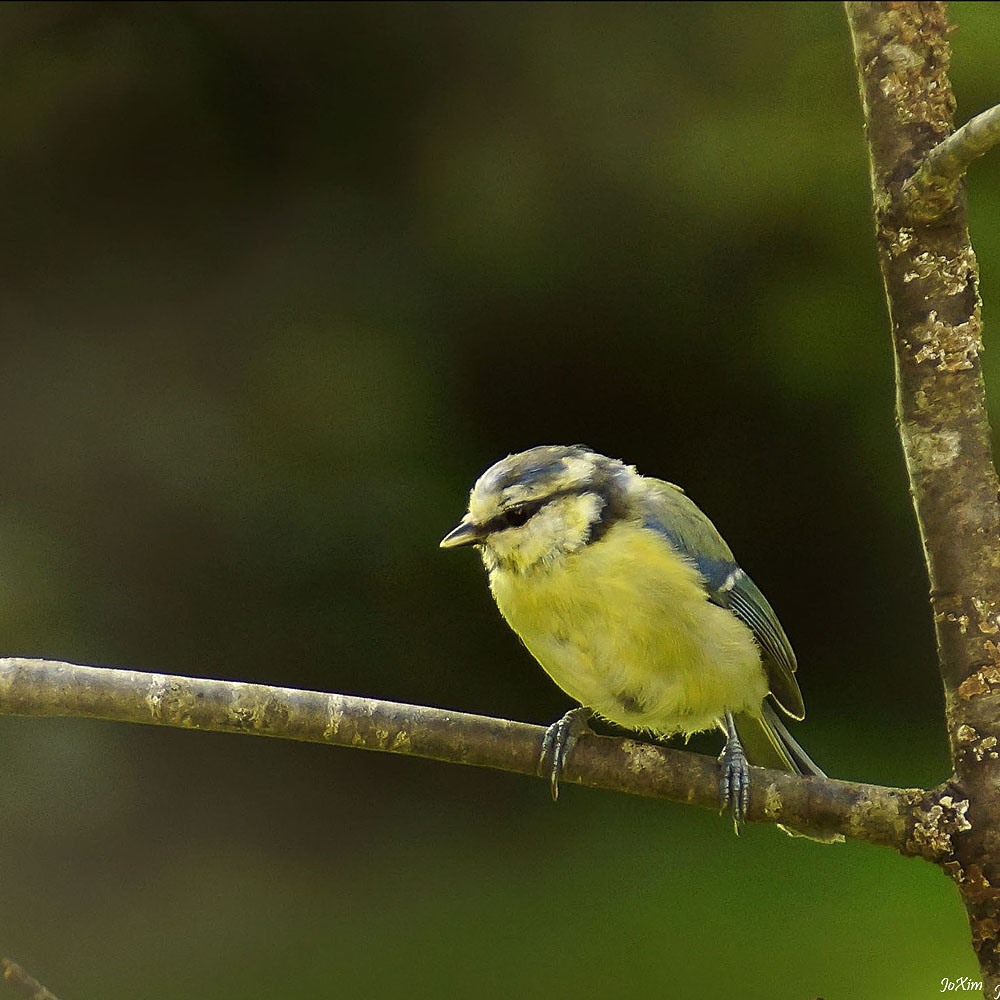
(629, 598)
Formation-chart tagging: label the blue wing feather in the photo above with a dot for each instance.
(668, 511)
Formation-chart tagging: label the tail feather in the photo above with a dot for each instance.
(778, 732)
(768, 743)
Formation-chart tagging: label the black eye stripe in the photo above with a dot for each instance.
(519, 514)
(516, 515)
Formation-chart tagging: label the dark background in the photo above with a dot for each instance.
(279, 281)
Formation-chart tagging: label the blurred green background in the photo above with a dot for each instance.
(279, 281)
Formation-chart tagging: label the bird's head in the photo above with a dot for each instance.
(534, 507)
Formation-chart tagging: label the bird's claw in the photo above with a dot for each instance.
(734, 778)
(558, 743)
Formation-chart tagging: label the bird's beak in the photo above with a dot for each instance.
(466, 533)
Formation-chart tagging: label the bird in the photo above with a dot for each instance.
(631, 601)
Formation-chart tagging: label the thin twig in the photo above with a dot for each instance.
(911, 821)
(931, 192)
(25, 984)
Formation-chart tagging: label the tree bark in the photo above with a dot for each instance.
(931, 283)
(910, 820)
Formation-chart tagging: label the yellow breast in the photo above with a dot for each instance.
(624, 627)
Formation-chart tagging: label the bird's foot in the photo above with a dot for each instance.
(734, 779)
(558, 743)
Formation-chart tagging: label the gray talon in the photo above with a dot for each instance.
(558, 743)
(734, 779)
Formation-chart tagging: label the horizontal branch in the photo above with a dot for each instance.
(930, 193)
(911, 821)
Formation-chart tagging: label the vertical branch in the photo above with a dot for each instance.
(931, 283)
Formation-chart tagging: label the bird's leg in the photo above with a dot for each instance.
(734, 780)
(558, 743)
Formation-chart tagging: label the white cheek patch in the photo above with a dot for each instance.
(559, 528)
(579, 515)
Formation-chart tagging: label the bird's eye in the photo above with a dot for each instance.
(520, 513)
(514, 517)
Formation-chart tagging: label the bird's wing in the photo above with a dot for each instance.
(746, 601)
(667, 510)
